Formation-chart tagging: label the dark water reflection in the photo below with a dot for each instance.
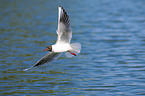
(112, 60)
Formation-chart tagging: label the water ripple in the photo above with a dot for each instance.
(111, 61)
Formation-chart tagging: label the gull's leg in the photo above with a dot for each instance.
(72, 53)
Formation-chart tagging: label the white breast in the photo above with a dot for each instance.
(61, 47)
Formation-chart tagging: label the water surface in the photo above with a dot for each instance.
(112, 59)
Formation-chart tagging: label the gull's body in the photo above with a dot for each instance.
(62, 44)
(61, 47)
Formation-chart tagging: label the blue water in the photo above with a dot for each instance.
(111, 62)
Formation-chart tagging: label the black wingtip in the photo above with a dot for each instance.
(60, 6)
(64, 18)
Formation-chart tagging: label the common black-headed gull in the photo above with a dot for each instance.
(62, 44)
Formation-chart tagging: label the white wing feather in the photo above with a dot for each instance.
(64, 30)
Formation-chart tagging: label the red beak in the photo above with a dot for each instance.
(45, 49)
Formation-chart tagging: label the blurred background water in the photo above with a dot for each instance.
(112, 59)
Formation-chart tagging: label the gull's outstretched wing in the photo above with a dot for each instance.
(46, 59)
(64, 30)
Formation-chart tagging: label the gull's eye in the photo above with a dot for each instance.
(48, 47)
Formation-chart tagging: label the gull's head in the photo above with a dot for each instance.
(49, 48)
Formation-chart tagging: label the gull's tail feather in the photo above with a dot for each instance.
(76, 48)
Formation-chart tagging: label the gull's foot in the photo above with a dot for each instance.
(72, 53)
